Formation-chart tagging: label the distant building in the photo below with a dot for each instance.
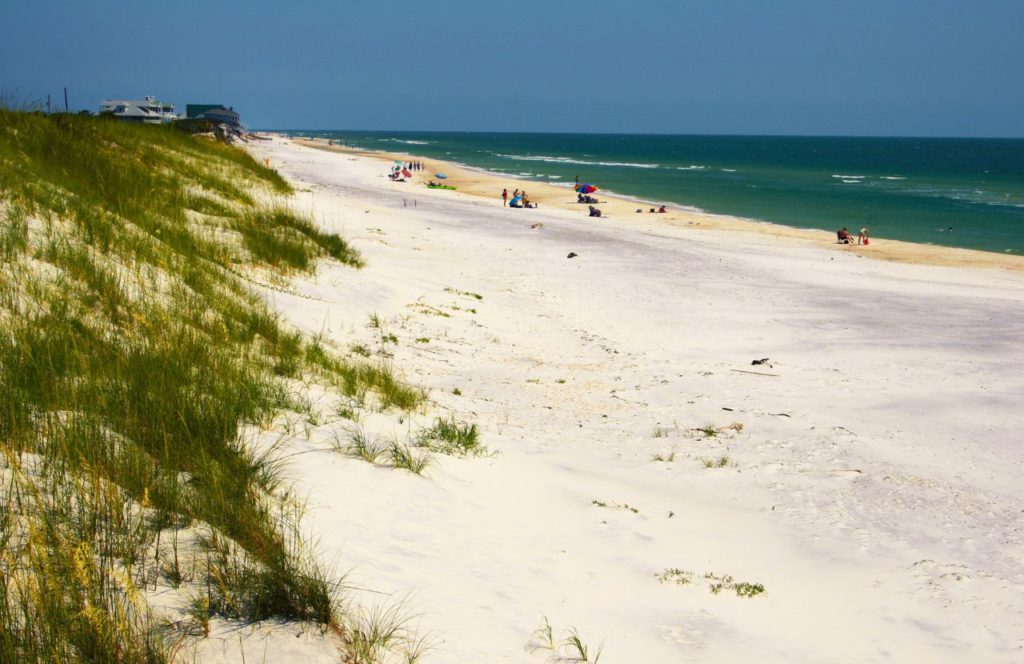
(147, 109)
(213, 113)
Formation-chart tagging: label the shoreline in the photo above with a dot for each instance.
(486, 185)
(866, 475)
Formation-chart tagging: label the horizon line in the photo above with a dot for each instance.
(641, 133)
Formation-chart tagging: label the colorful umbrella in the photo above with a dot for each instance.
(585, 188)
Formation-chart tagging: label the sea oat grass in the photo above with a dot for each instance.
(133, 353)
(449, 436)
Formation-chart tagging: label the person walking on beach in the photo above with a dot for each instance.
(504, 197)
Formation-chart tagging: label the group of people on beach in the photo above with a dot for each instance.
(520, 199)
(403, 170)
(845, 237)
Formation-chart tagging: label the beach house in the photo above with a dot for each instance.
(214, 113)
(148, 110)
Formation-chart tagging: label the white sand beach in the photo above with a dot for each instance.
(867, 475)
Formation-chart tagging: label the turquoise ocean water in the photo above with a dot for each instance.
(953, 192)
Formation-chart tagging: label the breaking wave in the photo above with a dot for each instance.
(568, 160)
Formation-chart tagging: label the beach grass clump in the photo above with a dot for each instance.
(569, 648)
(680, 577)
(13, 232)
(362, 446)
(716, 583)
(470, 294)
(358, 379)
(376, 450)
(618, 506)
(134, 357)
(287, 586)
(721, 462)
(408, 458)
(451, 437)
(382, 634)
(724, 582)
(282, 238)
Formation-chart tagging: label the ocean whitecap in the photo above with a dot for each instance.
(567, 160)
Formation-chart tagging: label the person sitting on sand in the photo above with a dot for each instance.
(662, 209)
(843, 235)
(594, 212)
(862, 237)
(580, 198)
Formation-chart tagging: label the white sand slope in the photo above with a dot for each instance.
(874, 489)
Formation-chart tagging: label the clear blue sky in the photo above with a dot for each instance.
(866, 67)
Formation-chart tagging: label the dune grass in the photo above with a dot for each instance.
(449, 436)
(133, 355)
(570, 648)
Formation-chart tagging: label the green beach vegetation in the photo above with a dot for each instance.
(140, 376)
(716, 583)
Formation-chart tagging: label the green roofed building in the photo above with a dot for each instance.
(193, 111)
(213, 113)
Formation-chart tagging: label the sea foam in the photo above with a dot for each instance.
(568, 160)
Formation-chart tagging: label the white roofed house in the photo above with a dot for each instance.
(148, 110)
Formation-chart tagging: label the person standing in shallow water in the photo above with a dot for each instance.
(504, 197)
